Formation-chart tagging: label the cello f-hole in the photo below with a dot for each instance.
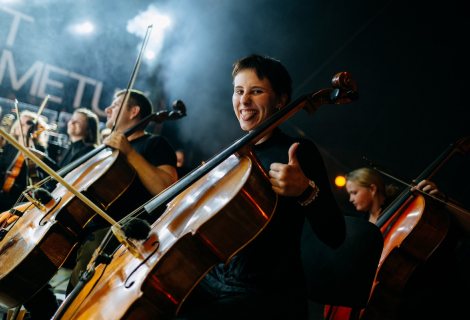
(57, 201)
(126, 285)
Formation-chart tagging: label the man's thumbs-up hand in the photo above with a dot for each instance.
(288, 179)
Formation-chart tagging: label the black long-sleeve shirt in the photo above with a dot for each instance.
(271, 262)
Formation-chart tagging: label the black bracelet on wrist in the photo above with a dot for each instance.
(311, 193)
(306, 194)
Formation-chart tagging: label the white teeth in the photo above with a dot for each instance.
(248, 111)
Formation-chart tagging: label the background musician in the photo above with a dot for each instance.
(152, 157)
(13, 170)
(154, 160)
(265, 280)
(436, 290)
(84, 136)
(369, 194)
(149, 154)
(82, 129)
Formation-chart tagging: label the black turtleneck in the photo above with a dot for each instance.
(271, 263)
(75, 150)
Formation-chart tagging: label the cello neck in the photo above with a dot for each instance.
(460, 146)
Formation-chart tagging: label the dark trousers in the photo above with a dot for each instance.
(205, 304)
(43, 304)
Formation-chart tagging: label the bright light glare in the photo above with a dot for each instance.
(150, 54)
(162, 22)
(340, 181)
(138, 26)
(84, 28)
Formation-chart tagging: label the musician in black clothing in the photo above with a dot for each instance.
(265, 280)
(11, 157)
(84, 136)
(154, 160)
(434, 291)
(370, 196)
(83, 132)
(82, 129)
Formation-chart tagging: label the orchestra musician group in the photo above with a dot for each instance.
(264, 279)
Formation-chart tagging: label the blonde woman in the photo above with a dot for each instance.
(369, 194)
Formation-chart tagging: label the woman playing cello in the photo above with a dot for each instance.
(369, 194)
(433, 288)
(265, 279)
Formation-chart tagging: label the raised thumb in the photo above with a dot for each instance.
(292, 155)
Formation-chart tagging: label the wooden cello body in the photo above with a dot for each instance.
(411, 236)
(37, 244)
(222, 206)
(208, 227)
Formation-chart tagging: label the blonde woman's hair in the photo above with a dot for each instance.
(42, 121)
(365, 177)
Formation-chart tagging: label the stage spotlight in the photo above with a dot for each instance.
(150, 54)
(84, 28)
(340, 181)
(138, 26)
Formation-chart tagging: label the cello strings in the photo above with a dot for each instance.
(136, 213)
(424, 193)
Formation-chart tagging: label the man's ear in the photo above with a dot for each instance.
(135, 111)
(281, 101)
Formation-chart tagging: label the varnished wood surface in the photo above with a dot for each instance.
(204, 226)
(410, 237)
(39, 242)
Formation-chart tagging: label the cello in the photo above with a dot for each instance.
(38, 243)
(57, 219)
(221, 207)
(415, 227)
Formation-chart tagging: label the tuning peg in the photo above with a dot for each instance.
(352, 95)
(334, 95)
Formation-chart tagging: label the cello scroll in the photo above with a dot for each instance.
(344, 90)
(180, 111)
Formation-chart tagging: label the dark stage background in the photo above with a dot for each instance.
(408, 60)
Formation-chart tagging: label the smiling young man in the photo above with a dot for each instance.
(265, 280)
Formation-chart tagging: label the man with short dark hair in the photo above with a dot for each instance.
(155, 176)
(154, 161)
(265, 279)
